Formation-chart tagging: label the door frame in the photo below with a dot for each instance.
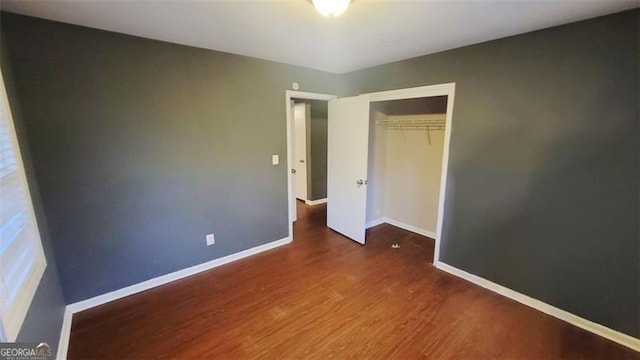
(291, 195)
(449, 90)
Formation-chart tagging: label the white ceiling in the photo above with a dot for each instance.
(369, 33)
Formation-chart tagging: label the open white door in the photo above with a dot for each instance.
(300, 164)
(348, 146)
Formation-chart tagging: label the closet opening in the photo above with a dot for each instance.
(405, 163)
(386, 160)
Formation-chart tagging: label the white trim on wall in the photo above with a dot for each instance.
(449, 90)
(65, 334)
(315, 202)
(291, 197)
(71, 309)
(411, 228)
(375, 222)
(177, 275)
(595, 328)
(401, 225)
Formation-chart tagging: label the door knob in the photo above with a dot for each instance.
(302, 161)
(293, 171)
(361, 182)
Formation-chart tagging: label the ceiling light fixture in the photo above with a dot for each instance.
(331, 8)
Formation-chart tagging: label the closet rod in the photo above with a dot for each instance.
(432, 128)
(412, 125)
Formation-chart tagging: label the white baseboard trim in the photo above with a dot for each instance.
(411, 228)
(601, 330)
(315, 202)
(65, 334)
(401, 225)
(375, 222)
(164, 279)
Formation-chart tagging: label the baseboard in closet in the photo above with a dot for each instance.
(401, 225)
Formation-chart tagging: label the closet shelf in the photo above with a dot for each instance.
(428, 122)
(413, 124)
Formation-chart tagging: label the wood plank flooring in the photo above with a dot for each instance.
(324, 296)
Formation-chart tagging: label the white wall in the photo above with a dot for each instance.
(376, 168)
(404, 174)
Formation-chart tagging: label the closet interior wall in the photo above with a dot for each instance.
(405, 166)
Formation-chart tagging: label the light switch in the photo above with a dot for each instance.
(275, 159)
(210, 239)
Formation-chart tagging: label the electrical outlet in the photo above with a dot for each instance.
(210, 239)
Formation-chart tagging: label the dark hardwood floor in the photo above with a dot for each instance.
(324, 296)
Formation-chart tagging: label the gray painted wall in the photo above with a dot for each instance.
(428, 105)
(44, 317)
(143, 147)
(542, 193)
